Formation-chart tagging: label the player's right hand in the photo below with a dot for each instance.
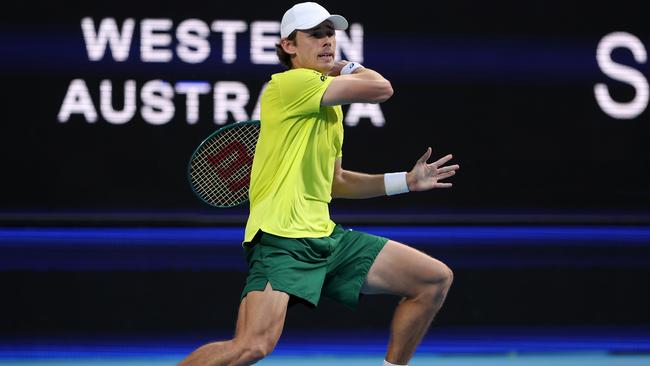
(336, 69)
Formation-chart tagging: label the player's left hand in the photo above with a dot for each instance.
(425, 176)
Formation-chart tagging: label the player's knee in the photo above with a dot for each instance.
(255, 351)
(437, 286)
(448, 277)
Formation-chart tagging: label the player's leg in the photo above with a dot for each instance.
(423, 283)
(241, 317)
(259, 325)
(226, 346)
(263, 323)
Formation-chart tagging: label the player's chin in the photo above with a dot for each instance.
(325, 66)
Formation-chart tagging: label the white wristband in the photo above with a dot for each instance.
(395, 183)
(350, 67)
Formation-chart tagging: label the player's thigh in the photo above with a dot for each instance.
(241, 318)
(261, 316)
(404, 271)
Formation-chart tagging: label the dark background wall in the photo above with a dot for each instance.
(507, 88)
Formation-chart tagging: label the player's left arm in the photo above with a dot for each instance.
(424, 176)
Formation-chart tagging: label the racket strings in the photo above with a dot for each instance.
(220, 170)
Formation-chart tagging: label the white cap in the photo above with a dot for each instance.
(308, 15)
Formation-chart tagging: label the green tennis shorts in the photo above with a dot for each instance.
(334, 266)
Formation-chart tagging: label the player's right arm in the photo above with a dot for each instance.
(362, 86)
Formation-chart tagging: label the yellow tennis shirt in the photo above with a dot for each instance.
(293, 167)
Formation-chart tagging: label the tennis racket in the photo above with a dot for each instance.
(220, 168)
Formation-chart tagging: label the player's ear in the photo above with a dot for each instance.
(288, 45)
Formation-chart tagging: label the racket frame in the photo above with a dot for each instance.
(198, 149)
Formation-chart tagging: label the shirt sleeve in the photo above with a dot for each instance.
(302, 91)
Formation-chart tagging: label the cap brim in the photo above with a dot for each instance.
(339, 22)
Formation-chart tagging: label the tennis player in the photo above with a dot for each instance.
(295, 252)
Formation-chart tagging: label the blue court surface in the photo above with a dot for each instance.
(458, 346)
